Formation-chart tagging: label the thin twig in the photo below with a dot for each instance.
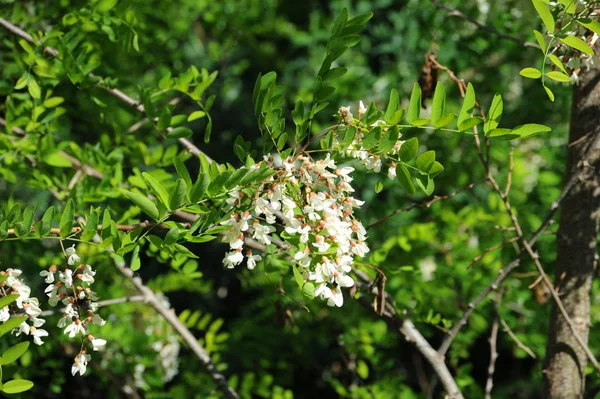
(490, 249)
(108, 302)
(512, 335)
(511, 165)
(427, 203)
(456, 13)
(493, 350)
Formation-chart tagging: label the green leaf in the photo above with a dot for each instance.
(577, 44)
(404, 178)
(498, 132)
(179, 132)
(106, 5)
(11, 324)
(557, 62)
(196, 115)
(58, 160)
(362, 369)
(409, 149)
(182, 171)
(389, 139)
(298, 276)
(531, 73)
(494, 114)
(14, 352)
(392, 106)
(348, 137)
(26, 46)
(53, 102)
(545, 14)
(444, 121)
(439, 103)
(467, 107)
(157, 188)
(414, 107)
(66, 219)
(91, 227)
(540, 39)
(569, 6)
(558, 76)
(8, 299)
(309, 290)
(34, 88)
(528, 130)
(340, 22)
(178, 194)
(378, 186)
(47, 221)
(135, 259)
(549, 93)
(426, 184)
(199, 188)
(591, 24)
(426, 160)
(143, 203)
(17, 386)
(435, 169)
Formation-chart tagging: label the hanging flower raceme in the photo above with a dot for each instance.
(71, 287)
(25, 305)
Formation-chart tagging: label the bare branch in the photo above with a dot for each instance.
(426, 204)
(489, 385)
(512, 335)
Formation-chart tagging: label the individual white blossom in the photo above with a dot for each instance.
(80, 364)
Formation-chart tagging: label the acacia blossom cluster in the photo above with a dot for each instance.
(311, 201)
(355, 149)
(71, 287)
(24, 303)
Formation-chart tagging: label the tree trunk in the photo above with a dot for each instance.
(564, 368)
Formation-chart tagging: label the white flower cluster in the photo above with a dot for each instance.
(71, 287)
(311, 201)
(356, 150)
(168, 356)
(575, 60)
(30, 305)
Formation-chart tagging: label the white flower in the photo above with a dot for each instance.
(88, 274)
(4, 314)
(22, 329)
(98, 343)
(333, 295)
(392, 172)
(261, 233)
(321, 245)
(252, 259)
(233, 259)
(80, 364)
(72, 257)
(361, 109)
(346, 114)
(66, 277)
(428, 268)
(98, 320)
(76, 327)
(37, 334)
(49, 276)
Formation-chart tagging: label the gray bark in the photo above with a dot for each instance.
(576, 243)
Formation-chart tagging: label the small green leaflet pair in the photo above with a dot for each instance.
(561, 75)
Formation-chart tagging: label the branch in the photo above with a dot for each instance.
(493, 350)
(115, 92)
(108, 302)
(426, 204)
(512, 335)
(407, 328)
(456, 13)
